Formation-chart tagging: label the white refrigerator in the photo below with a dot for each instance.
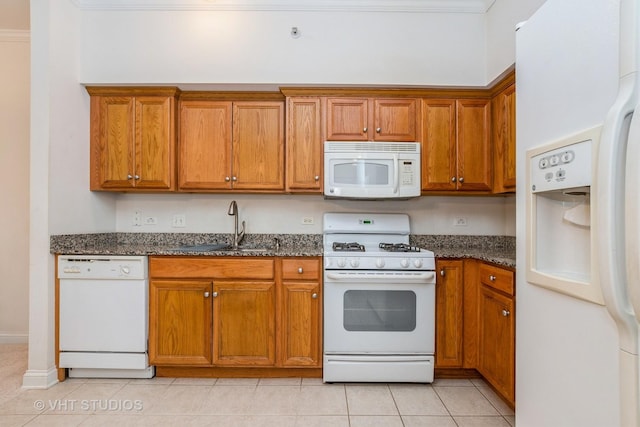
(577, 247)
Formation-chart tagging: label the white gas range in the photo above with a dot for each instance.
(379, 300)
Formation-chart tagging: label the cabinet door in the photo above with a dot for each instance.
(304, 145)
(204, 147)
(258, 146)
(395, 120)
(112, 142)
(347, 119)
(449, 313)
(473, 144)
(301, 332)
(180, 315)
(155, 142)
(244, 323)
(504, 131)
(439, 144)
(497, 341)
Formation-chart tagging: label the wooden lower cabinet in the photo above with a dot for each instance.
(244, 323)
(235, 312)
(475, 323)
(180, 313)
(449, 312)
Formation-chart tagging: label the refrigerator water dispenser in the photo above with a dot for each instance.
(559, 226)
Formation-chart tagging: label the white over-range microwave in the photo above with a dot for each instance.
(371, 170)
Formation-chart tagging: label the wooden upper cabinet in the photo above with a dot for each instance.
(132, 138)
(504, 136)
(231, 145)
(258, 145)
(304, 145)
(204, 146)
(456, 145)
(474, 144)
(371, 119)
(439, 161)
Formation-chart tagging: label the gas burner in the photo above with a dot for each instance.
(398, 247)
(348, 247)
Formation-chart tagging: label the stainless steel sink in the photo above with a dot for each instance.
(220, 247)
(203, 247)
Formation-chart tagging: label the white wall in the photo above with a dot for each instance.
(500, 32)
(14, 173)
(361, 48)
(207, 213)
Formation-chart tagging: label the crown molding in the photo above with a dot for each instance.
(15, 35)
(422, 6)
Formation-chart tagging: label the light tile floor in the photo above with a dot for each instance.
(243, 402)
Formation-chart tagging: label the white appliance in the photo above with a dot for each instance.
(379, 301)
(371, 170)
(577, 256)
(103, 322)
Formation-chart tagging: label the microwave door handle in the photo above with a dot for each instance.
(396, 175)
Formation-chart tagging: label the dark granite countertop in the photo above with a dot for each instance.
(499, 250)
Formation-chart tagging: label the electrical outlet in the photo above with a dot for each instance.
(307, 220)
(151, 220)
(137, 218)
(179, 221)
(460, 221)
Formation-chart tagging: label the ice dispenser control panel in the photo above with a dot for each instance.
(563, 167)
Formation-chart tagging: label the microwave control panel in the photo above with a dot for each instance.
(564, 167)
(408, 173)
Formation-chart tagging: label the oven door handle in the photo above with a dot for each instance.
(426, 277)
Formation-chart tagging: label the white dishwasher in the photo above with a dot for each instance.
(103, 316)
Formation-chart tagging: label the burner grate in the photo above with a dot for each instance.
(398, 247)
(348, 247)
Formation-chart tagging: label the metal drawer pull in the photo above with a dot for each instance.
(300, 270)
(492, 278)
(505, 312)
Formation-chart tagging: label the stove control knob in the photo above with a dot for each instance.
(417, 262)
(379, 263)
(327, 262)
(342, 262)
(354, 263)
(404, 263)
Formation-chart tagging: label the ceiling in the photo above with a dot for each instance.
(428, 6)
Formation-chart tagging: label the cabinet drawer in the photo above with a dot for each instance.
(301, 268)
(214, 268)
(497, 278)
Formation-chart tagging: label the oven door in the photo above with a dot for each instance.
(379, 312)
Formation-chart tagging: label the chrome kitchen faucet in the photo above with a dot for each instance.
(237, 237)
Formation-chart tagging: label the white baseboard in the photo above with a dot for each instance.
(6, 338)
(39, 379)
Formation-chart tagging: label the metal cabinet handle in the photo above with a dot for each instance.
(365, 130)
(314, 295)
(234, 178)
(317, 177)
(453, 179)
(492, 278)
(461, 179)
(226, 178)
(378, 130)
(215, 294)
(137, 176)
(300, 270)
(206, 294)
(129, 176)
(505, 312)
(442, 272)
